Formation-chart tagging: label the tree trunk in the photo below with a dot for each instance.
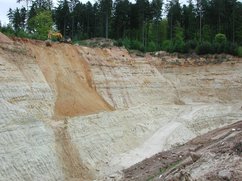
(200, 27)
(106, 27)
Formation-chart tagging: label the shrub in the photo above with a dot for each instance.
(42, 23)
(178, 46)
(191, 44)
(23, 34)
(217, 48)
(204, 48)
(130, 44)
(239, 51)
(118, 43)
(7, 30)
(127, 43)
(231, 48)
(166, 45)
(228, 47)
(220, 38)
(151, 47)
(137, 45)
(174, 46)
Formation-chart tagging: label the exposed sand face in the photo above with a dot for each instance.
(5, 39)
(70, 112)
(71, 79)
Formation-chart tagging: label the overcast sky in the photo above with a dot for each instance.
(6, 4)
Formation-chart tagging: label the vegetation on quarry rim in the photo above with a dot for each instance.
(204, 27)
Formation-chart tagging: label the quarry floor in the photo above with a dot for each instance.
(70, 112)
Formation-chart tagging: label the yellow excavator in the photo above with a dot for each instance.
(56, 35)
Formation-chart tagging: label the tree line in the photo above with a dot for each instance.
(209, 26)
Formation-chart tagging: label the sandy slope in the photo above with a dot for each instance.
(158, 104)
(158, 141)
(69, 76)
(5, 39)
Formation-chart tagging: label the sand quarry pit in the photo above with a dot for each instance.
(76, 113)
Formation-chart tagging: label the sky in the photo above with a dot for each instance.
(5, 5)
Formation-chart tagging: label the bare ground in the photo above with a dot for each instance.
(161, 101)
(71, 81)
(212, 156)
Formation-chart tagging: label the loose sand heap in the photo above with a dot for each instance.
(79, 113)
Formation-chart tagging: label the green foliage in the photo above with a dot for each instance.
(120, 19)
(189, 20)
(23, 34)
(204, 48)
(231, 48)
(126, 43)
(8, 30)
(179, 33)
(41, 24)
(207, 34)
(63, 19)
(191, 44)
(178, 44)
(220, 38)
(218, 48)
(151, 47)
(134, 44)
(240, 51)
(137, 45)
(220, 42)
(137, 24)
(118, 43)
(17, 18)
(166, 45)
(163, 30)
(225, 47)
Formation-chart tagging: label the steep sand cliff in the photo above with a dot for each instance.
(76, 113)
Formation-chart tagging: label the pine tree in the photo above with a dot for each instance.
(106, 7)
(121, 18)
